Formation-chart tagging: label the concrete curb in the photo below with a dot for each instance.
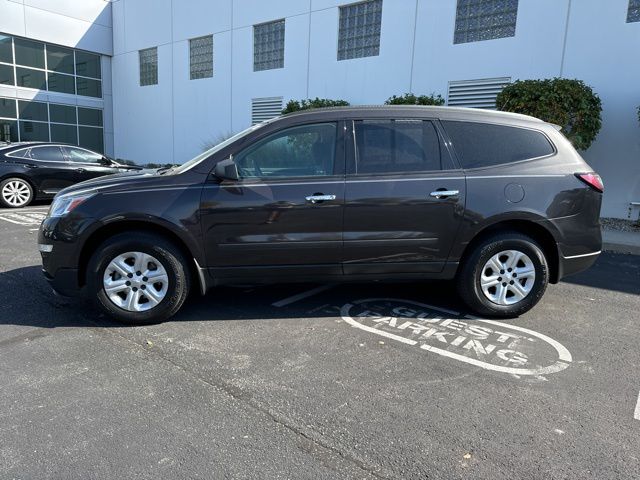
(621, 248)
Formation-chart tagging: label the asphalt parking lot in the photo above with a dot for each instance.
(314, 381)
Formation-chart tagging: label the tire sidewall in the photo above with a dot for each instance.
(170, 259)
(15, 179)
(540, 283)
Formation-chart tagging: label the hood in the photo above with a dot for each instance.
(109, 182)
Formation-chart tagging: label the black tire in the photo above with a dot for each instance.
(158, 247)
(469, 275)
(22, 181)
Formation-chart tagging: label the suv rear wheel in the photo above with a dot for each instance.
(138, 277)
(504, 276)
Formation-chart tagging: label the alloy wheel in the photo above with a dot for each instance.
(16, 193)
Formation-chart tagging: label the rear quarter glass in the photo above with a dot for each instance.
(479, 145)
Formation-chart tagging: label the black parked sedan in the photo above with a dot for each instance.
(39, 170)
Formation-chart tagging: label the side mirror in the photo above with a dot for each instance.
(106, 161)
(227, 170)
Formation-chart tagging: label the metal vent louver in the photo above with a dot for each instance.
(476, 93)
(265, 108)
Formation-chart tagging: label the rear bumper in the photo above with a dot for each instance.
(64, 282)
(568, 265)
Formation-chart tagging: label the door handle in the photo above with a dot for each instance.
(318, 197)
(80, 170)
(444, 193)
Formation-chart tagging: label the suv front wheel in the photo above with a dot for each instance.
(504, 276)
(138, 277)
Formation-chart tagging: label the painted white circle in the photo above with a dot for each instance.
(489, 344)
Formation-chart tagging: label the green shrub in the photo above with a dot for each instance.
(568, 103)
(411, 99)
(297, 105)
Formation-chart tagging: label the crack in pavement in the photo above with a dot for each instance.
(276, 416)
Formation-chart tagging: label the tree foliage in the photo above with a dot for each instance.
(569, 103)
(412, 99)
(306, 104)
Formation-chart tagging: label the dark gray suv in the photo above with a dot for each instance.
(501, 202)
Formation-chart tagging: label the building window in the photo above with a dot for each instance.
(268, 46)
(22, 120)
(44, 66)
(201, 55)
(359, 30)
(149, 66)
(633, 14)
(478, 20)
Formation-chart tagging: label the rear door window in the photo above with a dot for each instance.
(396, 146)
(48, 154)
(484, 145)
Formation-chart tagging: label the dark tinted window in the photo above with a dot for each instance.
(8, 107)
(64, 133)
(88, 87)
(34, 131)
(90, 116)
(484, 145)
(308, 150)
(6, 50)
(62, 114)
(51, 154)
(87, 64)
(8, 130)
(22, 153)
(33, 111)
(6, 75)
(91, 138)
(396, 146)
(59, 59)
(61, 83)
(29, 53)
(26, 77)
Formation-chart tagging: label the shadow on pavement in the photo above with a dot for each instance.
(27, 299)
(612, 271)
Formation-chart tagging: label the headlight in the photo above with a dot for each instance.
(65, 204)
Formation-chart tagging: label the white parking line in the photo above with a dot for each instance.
(636, 414)
(300, 296)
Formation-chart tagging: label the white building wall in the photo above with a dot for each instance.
(603, 50)
(174, 120)
(80, 24)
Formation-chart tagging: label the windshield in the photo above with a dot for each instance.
(196, 160)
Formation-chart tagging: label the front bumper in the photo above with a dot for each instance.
(60, 242)
(64, 282)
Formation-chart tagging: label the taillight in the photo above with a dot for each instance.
(593, 180)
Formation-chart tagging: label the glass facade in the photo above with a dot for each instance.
(22, 120)
(359, 30)
(43, 66)
(201, 57)
(478, 20)
(268, 46)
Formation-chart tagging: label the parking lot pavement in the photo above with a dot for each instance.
(313, 381)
